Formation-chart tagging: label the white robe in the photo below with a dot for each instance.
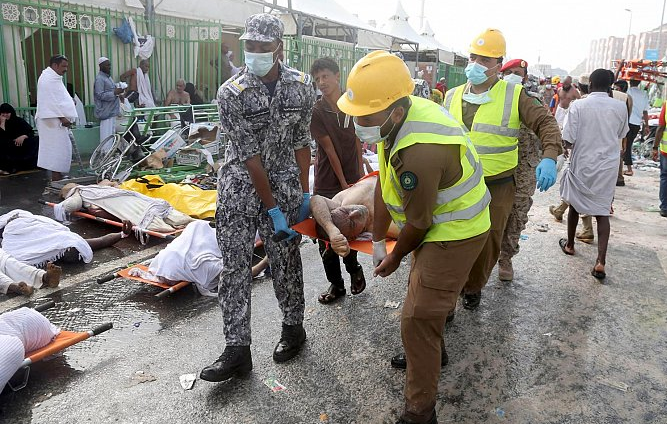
(53, 102)
(21, 331)
(54, 239)
(143, 211)
(13, 271)
(144, 89)
(194, 256)
(593, 125)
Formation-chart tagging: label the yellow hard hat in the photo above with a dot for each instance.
(490, 43)
(375, 82)
(555, 80)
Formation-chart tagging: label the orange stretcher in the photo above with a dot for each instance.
(167, 236)
(125, 273)
(62, 341)
(307, 228)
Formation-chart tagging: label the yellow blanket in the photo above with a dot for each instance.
(185, 198)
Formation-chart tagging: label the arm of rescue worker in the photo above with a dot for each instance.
(381, 217)
(245, 144)
(302, 136)
(544, 125)
(424, 170)
(321, 208)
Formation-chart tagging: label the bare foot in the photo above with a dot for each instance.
(52, 277)
(21, 288)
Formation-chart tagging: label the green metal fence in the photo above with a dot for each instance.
(301, 53)
(32, 31)
(455, 75)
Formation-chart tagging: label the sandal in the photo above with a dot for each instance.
(332, 294)
(563, 245)
(357, 281)
(600, 275)
(628, 173)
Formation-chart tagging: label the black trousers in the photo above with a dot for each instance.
(331, 262)
(632, 134)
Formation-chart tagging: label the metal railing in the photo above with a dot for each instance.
(31, 31)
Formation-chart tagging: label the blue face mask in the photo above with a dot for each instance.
(476, 73)
(260, 63)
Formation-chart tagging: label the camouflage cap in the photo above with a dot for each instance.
(263, 27)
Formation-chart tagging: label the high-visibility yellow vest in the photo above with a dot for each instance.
(495, 128)
(663, 145)
(462, 210)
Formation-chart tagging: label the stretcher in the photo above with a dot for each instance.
(125, 273)
(307, 228)
(167, 236)
(167, 289)
(62, 341)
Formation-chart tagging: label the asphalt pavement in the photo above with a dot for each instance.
(553, 346)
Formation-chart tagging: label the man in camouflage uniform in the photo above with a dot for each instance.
(529, 157)
(263, 185)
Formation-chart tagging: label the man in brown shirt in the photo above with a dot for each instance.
(337, 166)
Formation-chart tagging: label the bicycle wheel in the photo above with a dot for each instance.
(104, 151)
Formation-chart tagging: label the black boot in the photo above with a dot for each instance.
(235, 360)
(471, 300)
(399, 361)
(291, 341)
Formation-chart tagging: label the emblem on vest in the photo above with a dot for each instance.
(408, 180)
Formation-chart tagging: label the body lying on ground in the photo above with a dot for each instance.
(117, 204)
(194, 256)
(21, 331)
(17, 277)
(21, 228)
(347, 215)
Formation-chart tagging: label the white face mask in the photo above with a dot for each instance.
(513, 79)
(371, 135)
(260, 63)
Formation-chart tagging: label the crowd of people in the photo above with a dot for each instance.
(454, 184)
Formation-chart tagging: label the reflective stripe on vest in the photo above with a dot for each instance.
(460, 211)
(498, 154)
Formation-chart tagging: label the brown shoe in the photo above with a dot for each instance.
(557, 213)
(505, 270)
(585, 236)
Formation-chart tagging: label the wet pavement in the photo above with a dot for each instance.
(553, 346)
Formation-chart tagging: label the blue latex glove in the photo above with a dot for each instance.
(304, 209)
(546, 174)
(280, 223)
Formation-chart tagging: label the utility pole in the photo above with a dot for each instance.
(421, 17)
(662, 18)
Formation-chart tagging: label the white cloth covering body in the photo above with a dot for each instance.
(21, 331)
(639, 105)
(193, 256)
(593, 125)
(143, 211)
(13, 271)
(53, 102)
(144, 89)
(560, 115)
(54, 238)
(107, 128)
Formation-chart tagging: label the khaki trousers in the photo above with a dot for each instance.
(437, 274)
(502, 199)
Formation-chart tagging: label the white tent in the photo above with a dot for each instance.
(398, 26)
(445, 54)
(325, 13)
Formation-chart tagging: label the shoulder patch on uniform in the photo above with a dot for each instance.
(236, 85)
(298, 76)
(408, 180)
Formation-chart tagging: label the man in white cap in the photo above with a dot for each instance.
(107, 106)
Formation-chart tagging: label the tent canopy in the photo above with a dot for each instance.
(398, 26)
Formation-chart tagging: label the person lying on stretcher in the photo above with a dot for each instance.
(347, 215)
